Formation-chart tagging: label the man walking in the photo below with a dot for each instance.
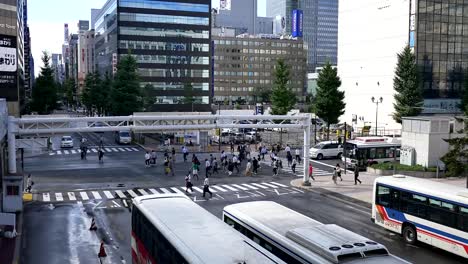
(338, 171)
(188, 182)
(147, 159)
(236, 162)
(153, 157)
(293, 166)
(185, 152)
(215, 166)
(298, 156)
(248, 168)
(100, 155)
(288, 150)
(289, 158)
(255, 165)
(207, 168)
(206, 187)
(356, 174)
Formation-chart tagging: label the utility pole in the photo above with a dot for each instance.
(344, 146)
(376, 102)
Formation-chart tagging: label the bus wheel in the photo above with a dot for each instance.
(409, 234)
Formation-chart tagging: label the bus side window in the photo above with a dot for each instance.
(463, 223)
(383, 195)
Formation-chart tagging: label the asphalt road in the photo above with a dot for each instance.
(56, 230)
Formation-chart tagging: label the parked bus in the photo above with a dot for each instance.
(370, 150)
(172, 228)
(296, 238)
(423, 210)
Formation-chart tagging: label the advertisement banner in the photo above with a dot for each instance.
(8, 67)
(296, 23)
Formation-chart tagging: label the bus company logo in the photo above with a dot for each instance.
(5, 42)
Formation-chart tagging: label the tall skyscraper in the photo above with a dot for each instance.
(85, 51)
(28, 72)
(435, 30)
(320, 26)
(66, 32)
(171, 42)
(12, 55)
(58, 66)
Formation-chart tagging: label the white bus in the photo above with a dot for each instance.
(423, 210)
(370, 150)
(296, 238)
(172, 228)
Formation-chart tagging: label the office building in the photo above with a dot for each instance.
(58, 67)
(85, 61)
(12, 55)
(242, 15)
(367, 57)
(28, 71)
(245, 63)
(171, 42)
(320, 27)
(72, 57)
(83, 25)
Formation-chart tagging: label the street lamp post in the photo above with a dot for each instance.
(376, 102)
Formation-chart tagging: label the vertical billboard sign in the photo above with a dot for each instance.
(8, 67)
(296, 23)
(412, 26)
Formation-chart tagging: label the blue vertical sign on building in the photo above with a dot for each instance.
(212, 69)
(296, 23)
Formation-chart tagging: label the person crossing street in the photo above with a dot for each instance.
(356, 174)
(188, 182)
(293, 166)
(311, 170)
(185, 152)
(207, 168)
(298, 156)
(147, 159)
(206, 187)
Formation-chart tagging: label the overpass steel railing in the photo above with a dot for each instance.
(136, 123)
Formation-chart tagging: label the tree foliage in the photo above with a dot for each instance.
(125, 94)
(262, 94)
(282, 97)
(408, 96)
(329, 100)
(44, 94)
(69, 87)
(188, 94)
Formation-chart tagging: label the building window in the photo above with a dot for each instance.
(12, 190)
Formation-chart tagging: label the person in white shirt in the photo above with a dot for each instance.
(147, 159)
(298, 156)
(288, 149)
(248, 168)
(188, 182)
(206, 187)
(235, 162)
(207, 168)
(185, 151)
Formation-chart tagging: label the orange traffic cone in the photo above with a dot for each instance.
(102, 251)
(93, 226)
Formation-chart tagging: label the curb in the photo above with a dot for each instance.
(19, 229)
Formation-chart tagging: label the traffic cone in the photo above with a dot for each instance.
(93, 226)
(102, 251)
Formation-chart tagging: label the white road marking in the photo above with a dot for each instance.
(164, 190)
(321, 163)
(97, 195)
(132, 193)
(279, 184)
(120, 194)
(297, 189)
(135, 149)
(229, 187)
(59, 152)
(108, 195)
(213, 191)
(94, 150)
(71, 196)
(142, 191)
(108, 150)
(176, 190)
(218, 188)
(73, 151)
(121, 149)
(269, 185)
(84, 196)
(66, 152)
(125, 203)
(259, 185)
(197, 189)
(46, 197)
(114, 149)
(128, 149)
(154, 191)
(249, 186)
(240, 187)
(116, 204)
(51, 154)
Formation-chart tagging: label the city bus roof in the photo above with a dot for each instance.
(199, 236)
(372, 142)
(308, 238)
(426, 187)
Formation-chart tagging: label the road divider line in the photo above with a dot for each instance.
(154, 191)
(46, 197)
(96, 195)
(259, 185)
(108, 195)
(84, 196)
(143, 192)
(71, 196)
(120, 194)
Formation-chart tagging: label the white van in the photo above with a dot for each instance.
(326, 149)
(123, 137)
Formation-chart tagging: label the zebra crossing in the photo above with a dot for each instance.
(132, 193)
(93, 150)
(300, 169)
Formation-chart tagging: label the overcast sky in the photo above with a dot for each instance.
(46, 19)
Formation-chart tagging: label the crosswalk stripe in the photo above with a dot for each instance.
(218, 188)
(154, 191)
(229, 187)
(279, 184)
(142, 191)
(249, 186)
(84, 196)
(73, 151)
(259, 185)
(176, 190)
(108, 195)
(66, 152)
(120, 194)
(96, 195)
(135, 149)
(114, 149)
(269, 185)
(108, 150)
(59, 152)
(240, 187)
(121, 149)
(198, 189)
(58, 197)
(94, 150)
(164, 190)
(51, 154)
(213, 191)
(46, 197)
(128, 149)
(71, 196)
(132, 193)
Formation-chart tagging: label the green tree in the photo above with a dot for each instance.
(148, 97)
(69, 87)
(188, 95)
(103, 101)
(44, 94)
(125, 94)
(408, 96)
(282, 97)
(261, 94)
(329, 100)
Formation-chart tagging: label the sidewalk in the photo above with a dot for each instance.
(10, 247)
(360, 192)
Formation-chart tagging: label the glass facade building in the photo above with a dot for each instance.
(172, 45)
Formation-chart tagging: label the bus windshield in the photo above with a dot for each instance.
(124, 134)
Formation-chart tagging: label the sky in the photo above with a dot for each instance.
(46, 19)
